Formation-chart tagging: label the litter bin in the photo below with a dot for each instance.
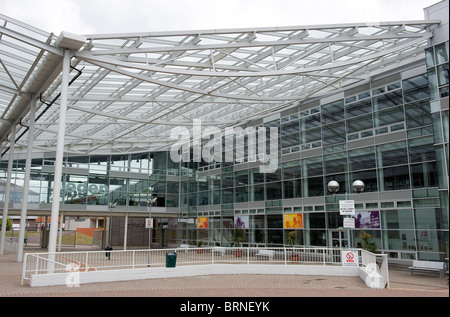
(171, 259)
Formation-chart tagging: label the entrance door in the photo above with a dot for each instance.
(338, 238)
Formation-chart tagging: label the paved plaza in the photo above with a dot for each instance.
(401, 285)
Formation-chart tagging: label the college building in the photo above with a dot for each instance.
(269, 130)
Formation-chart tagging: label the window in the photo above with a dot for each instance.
(292, 188)
(290, 140)
(335, 163)
(273, 191)
(392, 154)
(312, 135)
(362, 159)
(424, 175)
(388, 100)
(369, 177)
(291, 170)
(312, 167)
(309, 122)
(333, 112)
(441, 54)
(334, 133)
(416, 88)
(418, 114)
(359, 108)
(394, 178)
(422, 149)
(290, 127)
(360, 123)
(389, 117)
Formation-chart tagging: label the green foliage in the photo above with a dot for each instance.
(367, 242)
(8, 223)
(291, 238)
(238, 236)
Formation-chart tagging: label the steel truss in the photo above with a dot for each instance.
(127, 91)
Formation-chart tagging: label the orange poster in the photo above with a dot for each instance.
(202, 222)
(293, 221)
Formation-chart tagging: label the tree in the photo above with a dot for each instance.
(8, 223)
(238, 236)
(367, 242)
(291, 238)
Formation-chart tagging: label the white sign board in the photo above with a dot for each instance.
(349, 223)
(349, 258)
(347, 207)
(148, 223)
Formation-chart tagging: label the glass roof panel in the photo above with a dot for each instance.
(128, 91)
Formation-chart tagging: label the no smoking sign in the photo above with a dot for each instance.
(349, 258)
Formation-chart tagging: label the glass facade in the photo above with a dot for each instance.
(392, 134)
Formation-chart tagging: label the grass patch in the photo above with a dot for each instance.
(69, 239)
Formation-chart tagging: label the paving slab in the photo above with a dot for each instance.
(402, 284)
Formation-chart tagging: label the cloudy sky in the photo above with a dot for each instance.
(117, 16)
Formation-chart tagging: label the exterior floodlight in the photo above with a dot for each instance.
(333, 187)
(358, 186)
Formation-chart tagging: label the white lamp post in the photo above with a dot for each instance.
(358, 186)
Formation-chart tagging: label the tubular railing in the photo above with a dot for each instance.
(85, 261)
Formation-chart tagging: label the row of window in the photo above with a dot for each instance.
(438, 71)
(390, 166)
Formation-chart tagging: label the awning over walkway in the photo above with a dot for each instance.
(127, 91)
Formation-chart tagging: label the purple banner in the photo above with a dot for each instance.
(367, 219)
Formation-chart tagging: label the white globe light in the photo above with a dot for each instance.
(358, 186)
(333, 186)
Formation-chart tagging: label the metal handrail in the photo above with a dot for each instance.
(83, 261)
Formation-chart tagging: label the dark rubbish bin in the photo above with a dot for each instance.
(171, 259)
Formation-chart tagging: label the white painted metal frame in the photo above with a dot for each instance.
(125, 264)
(129, 90)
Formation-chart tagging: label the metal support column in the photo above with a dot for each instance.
(26, 181)
(59, 152)
(125, 235)
(12, 142)
(61, 221)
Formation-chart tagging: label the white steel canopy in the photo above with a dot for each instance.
(127, 91)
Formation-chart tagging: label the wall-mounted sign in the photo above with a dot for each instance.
(148, 223)
(349, 223)
(367, 219)
(347, 207)
(349, 258)
(242, 222)
(202, 222)
(293, 221)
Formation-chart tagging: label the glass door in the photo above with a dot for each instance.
(338, 238)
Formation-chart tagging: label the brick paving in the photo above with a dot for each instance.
(230, 286)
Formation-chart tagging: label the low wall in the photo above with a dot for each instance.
(88, 231)
(77, 278)
(371, 278)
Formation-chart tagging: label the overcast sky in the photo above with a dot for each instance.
(117, 16)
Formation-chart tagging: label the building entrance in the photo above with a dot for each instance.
(338, 238)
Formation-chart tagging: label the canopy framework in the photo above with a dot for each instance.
(127, 91)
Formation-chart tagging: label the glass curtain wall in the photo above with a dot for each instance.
(392, 136)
